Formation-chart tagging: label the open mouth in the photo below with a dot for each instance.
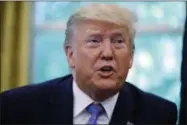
(106, 71)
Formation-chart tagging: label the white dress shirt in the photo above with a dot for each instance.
(81, 101)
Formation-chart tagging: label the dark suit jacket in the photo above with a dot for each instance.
(51, 102)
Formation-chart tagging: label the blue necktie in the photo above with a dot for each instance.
(95, 110)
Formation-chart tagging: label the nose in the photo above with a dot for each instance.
(107, 52)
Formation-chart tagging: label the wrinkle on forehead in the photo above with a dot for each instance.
(88, 28)
(103, 28)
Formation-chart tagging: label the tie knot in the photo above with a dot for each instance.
(95, 109)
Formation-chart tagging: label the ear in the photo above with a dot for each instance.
(130, 62)
(69, 54)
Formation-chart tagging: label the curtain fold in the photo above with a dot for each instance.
(15, 41)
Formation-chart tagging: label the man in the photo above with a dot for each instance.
(99, 45)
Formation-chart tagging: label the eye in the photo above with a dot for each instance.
(93, 41)
(118, 40)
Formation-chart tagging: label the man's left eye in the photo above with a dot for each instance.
(118, 41)
(94, 41)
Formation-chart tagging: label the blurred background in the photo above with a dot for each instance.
(32, 36)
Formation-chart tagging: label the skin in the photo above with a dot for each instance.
(96, 44)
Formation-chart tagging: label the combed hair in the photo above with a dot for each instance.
(102, 12)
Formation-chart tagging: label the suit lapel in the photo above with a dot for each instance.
(61, 101)
(125, 106)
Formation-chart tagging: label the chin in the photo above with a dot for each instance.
(106, 84)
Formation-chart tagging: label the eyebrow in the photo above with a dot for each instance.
(120, 31)
(113, 33)
(93, 31)
(95, 34)
(117, 34)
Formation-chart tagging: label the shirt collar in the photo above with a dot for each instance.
(81, 101)
(109, 105)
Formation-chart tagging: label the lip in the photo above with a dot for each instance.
(106, 74)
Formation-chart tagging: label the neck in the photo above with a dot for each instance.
(101, 96)
(98, 95)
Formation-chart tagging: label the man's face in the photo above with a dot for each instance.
(101, 55)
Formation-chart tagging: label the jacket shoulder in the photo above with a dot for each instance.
(154, 107)
(25, 104)
(33, 89)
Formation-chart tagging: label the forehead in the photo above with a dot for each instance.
(92, 27)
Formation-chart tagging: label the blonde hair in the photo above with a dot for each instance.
(102, 12)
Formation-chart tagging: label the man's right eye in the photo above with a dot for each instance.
(94, 41)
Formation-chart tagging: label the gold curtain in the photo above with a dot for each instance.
(14, 30)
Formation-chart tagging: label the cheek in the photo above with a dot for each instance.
(86, 58)
(123, 60)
